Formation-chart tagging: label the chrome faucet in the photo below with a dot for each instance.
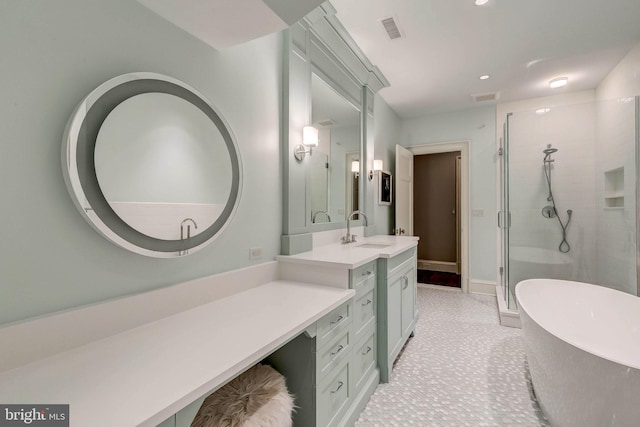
(351, 238)
(313, 219)
(186, 251)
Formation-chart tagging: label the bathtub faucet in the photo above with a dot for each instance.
(182, 236)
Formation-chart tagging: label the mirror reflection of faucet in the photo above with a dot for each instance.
(351, 238)
(313, 218)
(182, 236)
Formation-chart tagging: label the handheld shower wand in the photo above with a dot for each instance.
(552, 211)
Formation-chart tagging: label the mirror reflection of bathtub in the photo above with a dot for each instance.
(526, 262)
(168, 164)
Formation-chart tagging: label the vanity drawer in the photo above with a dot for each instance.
(330, 355)
(364, 274)
(364, 360)
(331, 325)
(364, 309)
(333, 398)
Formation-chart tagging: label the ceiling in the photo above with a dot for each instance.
(446, 44)
(522, 44)
(225, 23)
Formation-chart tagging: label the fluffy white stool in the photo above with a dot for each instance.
(256, 398)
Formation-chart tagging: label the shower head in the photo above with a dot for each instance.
(549, 150)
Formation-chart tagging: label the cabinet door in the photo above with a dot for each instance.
(408, 300)
(394, 315)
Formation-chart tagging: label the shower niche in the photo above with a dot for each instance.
(614, 188)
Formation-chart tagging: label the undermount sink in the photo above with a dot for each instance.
(374, 245)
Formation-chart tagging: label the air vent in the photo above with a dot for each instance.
(391, 28)
(328, 122)
(484, 97)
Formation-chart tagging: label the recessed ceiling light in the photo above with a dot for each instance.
(559, 82)
(484, 77)
(481, 2)
(543, 110)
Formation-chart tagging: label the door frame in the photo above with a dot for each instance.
(465, 220)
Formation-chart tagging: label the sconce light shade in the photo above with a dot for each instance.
(355, 166)
(310, 136)
(309, 139)
(377, 165)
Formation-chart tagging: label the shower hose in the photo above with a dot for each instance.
(564, 246)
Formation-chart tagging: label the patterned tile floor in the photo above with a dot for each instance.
(461, 369)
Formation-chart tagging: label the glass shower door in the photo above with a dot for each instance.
(568, 204)
(504, 215)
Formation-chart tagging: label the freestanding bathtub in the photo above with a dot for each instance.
(583, 348)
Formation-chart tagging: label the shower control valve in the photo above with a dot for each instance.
(548, 212)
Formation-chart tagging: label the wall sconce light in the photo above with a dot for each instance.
(355, 168)
(309, 139)
(377, 166)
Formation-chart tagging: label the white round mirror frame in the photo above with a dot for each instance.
(79, 174)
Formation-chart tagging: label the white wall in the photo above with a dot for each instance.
(624, 79)
(54, 54)
(616, 230)
(476, 125)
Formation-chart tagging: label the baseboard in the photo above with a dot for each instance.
(439, 287)
(509, 318)
(444, 266)
(482, 287)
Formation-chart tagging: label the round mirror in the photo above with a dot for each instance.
(152, 165)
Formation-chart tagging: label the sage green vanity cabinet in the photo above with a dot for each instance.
(185, 417)
(169, 422)
(332, 368)
(397, 311)
(365, 375)
(317, 366)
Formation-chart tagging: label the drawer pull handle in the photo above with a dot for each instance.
(337, 320)
(340, 384)
(364, 304)
(406, 282)
(367, 273)
(368, 351)
(340, 347)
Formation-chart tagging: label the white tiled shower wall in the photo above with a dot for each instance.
(616, 228)
(570, 129)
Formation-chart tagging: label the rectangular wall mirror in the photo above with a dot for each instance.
(332, 183)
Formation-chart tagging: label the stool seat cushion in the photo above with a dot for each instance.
(256, 398)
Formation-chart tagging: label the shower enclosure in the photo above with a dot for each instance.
(569, 195)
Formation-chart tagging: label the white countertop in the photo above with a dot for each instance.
(144, 375)
(353, 255)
